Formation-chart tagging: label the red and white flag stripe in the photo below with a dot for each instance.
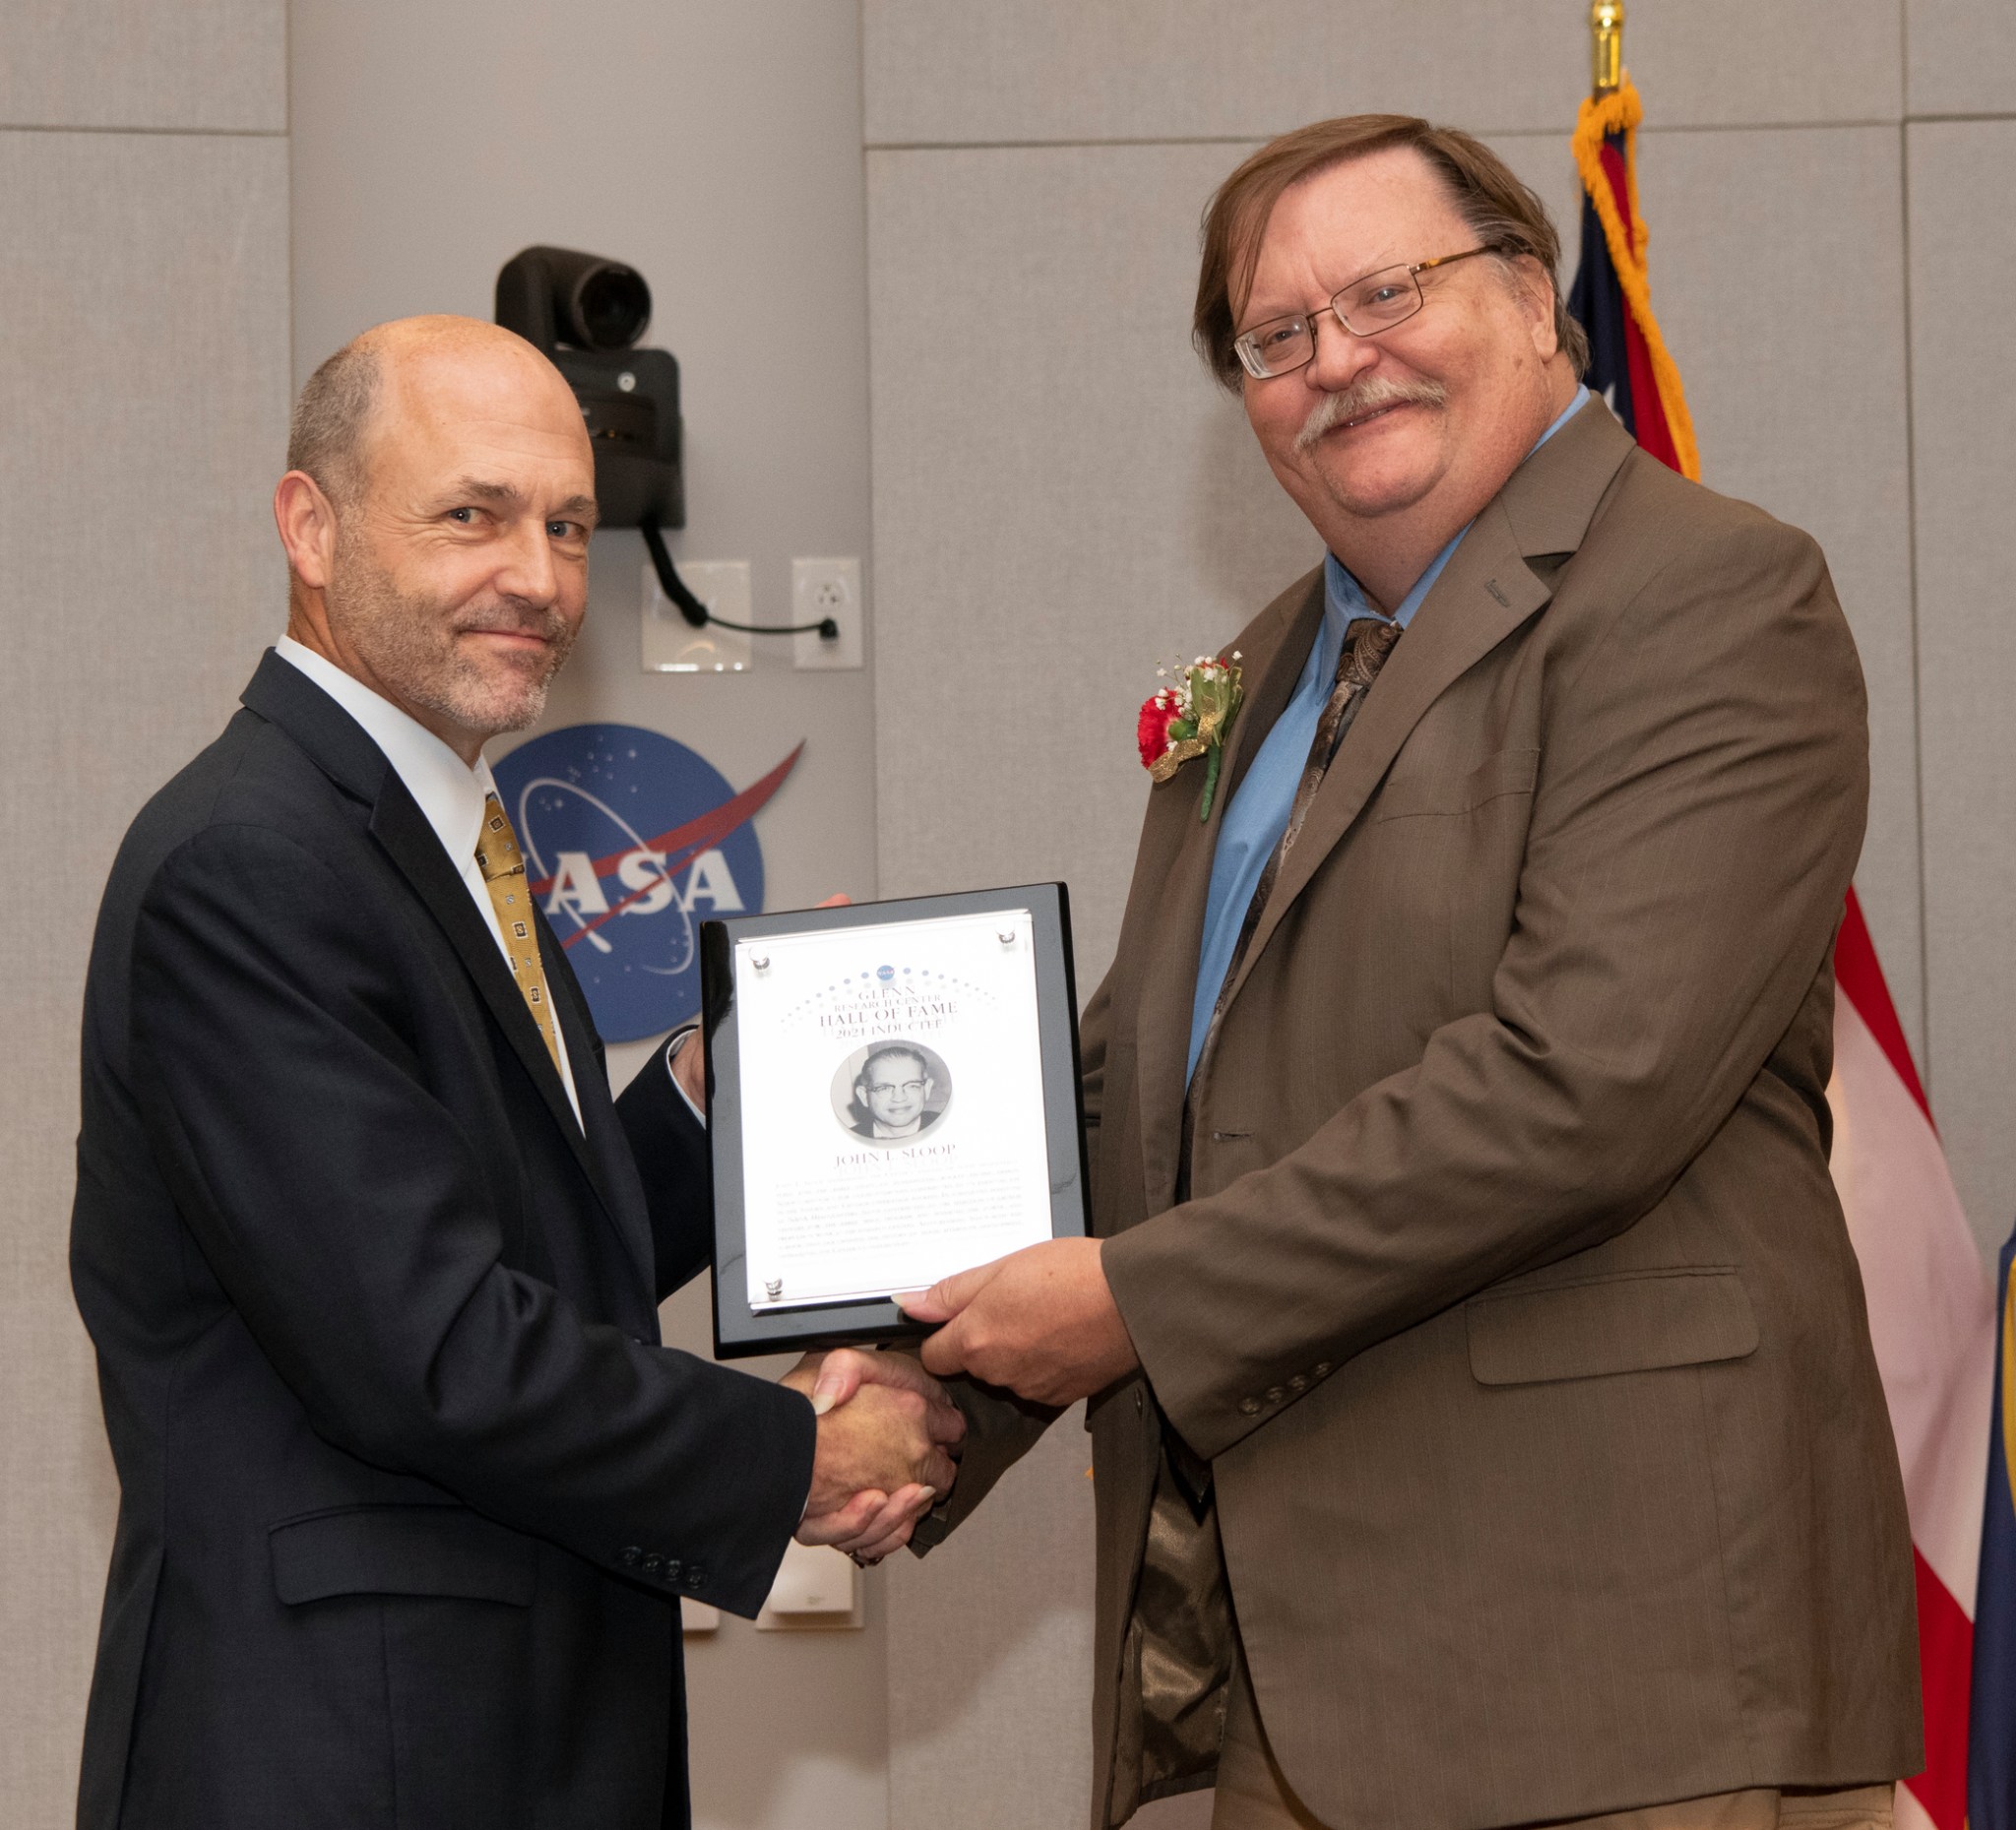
(1932, 1319)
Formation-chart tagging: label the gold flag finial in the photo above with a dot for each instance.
(1606, 28)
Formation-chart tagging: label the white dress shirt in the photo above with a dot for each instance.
(449, 791)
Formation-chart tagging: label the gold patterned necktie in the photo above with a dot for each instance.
(503, 866)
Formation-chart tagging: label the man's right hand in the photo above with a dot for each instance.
(881, 1459)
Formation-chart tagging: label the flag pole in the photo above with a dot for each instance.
(1607, 33)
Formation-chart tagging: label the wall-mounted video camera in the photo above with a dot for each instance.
(586, 313)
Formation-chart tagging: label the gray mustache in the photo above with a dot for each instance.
(1362, 397)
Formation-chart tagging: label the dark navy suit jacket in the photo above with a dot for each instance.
(408, 1487)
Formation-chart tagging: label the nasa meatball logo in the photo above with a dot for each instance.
(631, 840)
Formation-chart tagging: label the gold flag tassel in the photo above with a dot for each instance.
(1614, 109)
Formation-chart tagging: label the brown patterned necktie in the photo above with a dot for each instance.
(1367, 642)
(503, 866)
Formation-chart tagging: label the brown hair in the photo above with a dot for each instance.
(1505, 215)
(326, 439)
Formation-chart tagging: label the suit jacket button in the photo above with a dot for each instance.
(1248, 1406)
(652, 1564)
(1274, 1394)
(695, 1577)
(628, 1555)
(1322, 1369)
(671, 1569)
(1298, 1383)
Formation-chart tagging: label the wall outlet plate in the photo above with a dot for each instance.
(827, 588)
(671, 645)
(817, 1589)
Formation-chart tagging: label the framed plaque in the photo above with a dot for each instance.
(893, 1097)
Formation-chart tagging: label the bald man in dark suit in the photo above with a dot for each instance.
(410, 1492)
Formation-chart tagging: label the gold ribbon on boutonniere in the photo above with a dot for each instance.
(1189, 720)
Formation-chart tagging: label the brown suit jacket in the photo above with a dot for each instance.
(1512, 1306)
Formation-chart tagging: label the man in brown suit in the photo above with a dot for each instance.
(1486, 1426)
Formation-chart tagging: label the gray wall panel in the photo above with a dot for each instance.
(217, 65)
(143, 393)
(1964, 374)
(1960, 56)
(1194, 69)
(990, 1640)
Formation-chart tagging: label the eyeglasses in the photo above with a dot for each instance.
(910, 1089)
(1374, 302)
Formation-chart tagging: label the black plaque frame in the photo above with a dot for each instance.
(739, 1331)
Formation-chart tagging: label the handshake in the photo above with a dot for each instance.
(1041, 1322)
(883, 1456)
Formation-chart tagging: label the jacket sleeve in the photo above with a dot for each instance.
(669, 1145)
(1697, 815)
(351, 1222)
(1000, 1429)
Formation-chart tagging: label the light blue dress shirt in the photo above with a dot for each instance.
(1253, 825)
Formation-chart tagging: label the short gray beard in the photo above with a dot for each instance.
(1362, 397)
(408, 643)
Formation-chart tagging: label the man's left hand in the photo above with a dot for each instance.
(1040, 1321)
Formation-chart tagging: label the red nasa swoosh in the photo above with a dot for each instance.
(683, 843)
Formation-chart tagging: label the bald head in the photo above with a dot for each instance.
(436, 514)
(351, 401)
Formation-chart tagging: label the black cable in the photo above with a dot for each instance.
(698, 614)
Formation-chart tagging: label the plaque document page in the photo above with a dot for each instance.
(893, 1126)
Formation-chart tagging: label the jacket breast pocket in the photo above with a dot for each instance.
(1446, 791)
(1640, 1323)
(432, 1551)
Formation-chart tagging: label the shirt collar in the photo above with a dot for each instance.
(448, 790)
(1345, 598)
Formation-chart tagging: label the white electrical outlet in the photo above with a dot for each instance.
(822, 588)
(671, 645)
(817, 1591)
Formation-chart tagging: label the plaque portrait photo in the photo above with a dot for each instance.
(891, 1092)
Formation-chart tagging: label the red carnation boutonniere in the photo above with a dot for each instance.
(1193, 718)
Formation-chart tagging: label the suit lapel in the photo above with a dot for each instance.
(398, 825)
(609, 1150)
(1485, 592)
(1272, 660)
